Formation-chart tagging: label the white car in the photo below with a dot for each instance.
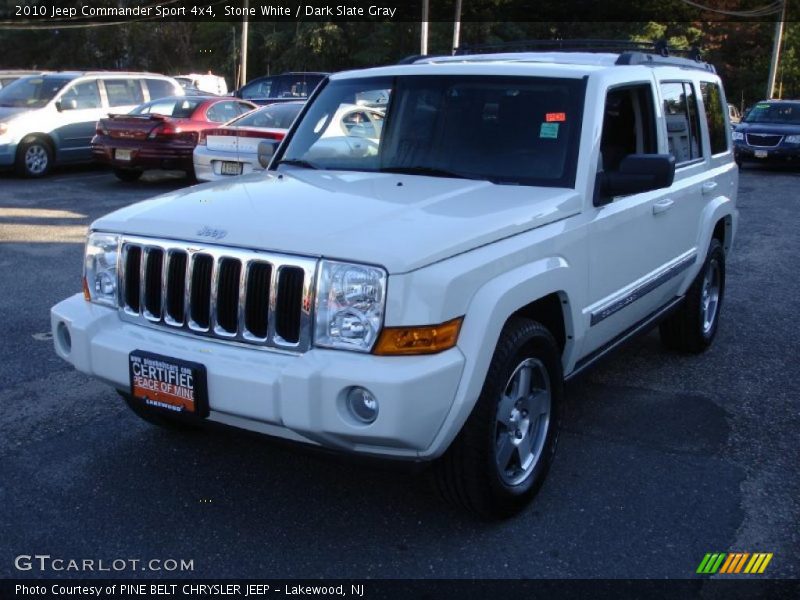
(424, 296)
(232, 149)
(213, 84)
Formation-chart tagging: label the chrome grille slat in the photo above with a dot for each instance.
(238, 306)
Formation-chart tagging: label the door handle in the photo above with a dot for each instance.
(709, 186)
(662, 205)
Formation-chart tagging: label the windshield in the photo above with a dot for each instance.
(31, 92)
(277, 116)
(785, 112)
(510, 130)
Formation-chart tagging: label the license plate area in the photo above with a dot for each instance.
(231, 168)
(167, 384)
(761, 154)
(121, 154)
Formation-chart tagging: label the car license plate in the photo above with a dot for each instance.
(761, 154)
(168, 384)
(120, 154)
(231, 168)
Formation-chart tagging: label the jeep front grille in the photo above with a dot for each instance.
(257, 298)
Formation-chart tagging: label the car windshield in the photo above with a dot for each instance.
(179, 108)
(784, 112)
(31, 92)
(508, 130)
(277, 116)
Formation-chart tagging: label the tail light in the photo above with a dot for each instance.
(101, 129)
(167, 131)
(201, 138)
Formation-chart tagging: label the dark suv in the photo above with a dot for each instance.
(280, 88)
(770, 132)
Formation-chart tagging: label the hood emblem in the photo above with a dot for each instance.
(210, 232)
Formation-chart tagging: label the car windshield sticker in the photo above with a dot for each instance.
(548, 130)
(555, 117)
(762, 105)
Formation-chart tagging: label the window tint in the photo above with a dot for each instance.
(683, 124)
(84, 95)
(278, 116)
(628, 125)
(243, 108)
(31, 92)
(297, 86)
(715, 116)
(222, 112)
(159, 88)
(261, 88)
(775, 112)
(123, 92)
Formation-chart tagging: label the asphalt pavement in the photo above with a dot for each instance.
(663, 458)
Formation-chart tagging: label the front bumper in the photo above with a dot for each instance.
(782, 153)
(299, 397)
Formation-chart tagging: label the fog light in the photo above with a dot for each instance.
(63, 338)
(362, 405)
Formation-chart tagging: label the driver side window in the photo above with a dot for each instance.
(628, 125)
(85, 95)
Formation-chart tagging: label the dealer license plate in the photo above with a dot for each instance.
(231, 168)
(761, 154)
(121, 154)
(168, 384)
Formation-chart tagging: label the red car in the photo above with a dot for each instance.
(161, 134)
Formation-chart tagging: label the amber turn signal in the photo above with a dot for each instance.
(86, 294)
(429, 339)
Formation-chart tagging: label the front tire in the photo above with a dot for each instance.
(691, 328)
(500, 458)
(34, 158)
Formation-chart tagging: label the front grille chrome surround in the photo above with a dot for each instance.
(763, 140)
(218, 292)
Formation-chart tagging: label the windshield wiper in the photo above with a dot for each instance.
(431, 172)
(297, 162)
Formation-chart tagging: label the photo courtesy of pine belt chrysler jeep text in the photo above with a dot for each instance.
(419, 286)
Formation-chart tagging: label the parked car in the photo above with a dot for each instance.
(734, 115)
(233, 148)
(7, 77)
(212, 84)
(424, 299)
(271, 89)
(769, 133)
(160, 134)
(50, 119)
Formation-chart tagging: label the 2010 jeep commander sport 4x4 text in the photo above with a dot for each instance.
(418, 282)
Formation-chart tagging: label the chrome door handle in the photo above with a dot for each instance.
(709, 186)
(662, 205)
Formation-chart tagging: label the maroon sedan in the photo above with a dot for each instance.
(161, 134)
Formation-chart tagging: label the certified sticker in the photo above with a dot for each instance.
(548, 130)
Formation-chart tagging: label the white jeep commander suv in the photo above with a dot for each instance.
(420, 286)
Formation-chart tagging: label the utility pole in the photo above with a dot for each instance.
(423, 29)
(776, 51)
(245, 31)
(457, 27)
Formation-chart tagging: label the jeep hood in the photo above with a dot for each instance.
(399, 221)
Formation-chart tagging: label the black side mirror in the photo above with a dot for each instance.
(266, 150)
(63, 105)
(637, 173)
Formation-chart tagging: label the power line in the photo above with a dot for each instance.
(769, 9)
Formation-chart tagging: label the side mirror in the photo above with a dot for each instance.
(637, 173)
(266, 150)
(63, 105)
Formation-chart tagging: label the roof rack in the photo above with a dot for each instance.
(630, 53)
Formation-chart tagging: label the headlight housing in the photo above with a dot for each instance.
(737, 135)
(792, 139)
(100, 268)
(351, 299)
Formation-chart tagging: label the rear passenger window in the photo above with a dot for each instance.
(123, 92)
(715, 116)
(84, 95)
(683, 121)
(159, 88)
(223, 111)
(628, 125)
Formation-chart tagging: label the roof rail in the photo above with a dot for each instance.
(630, 53)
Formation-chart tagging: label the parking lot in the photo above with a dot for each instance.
(663, 457)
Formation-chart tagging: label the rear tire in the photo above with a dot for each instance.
(127, 174)
(691, 328)
(164, 421)
(500, 458)
(34, 158)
